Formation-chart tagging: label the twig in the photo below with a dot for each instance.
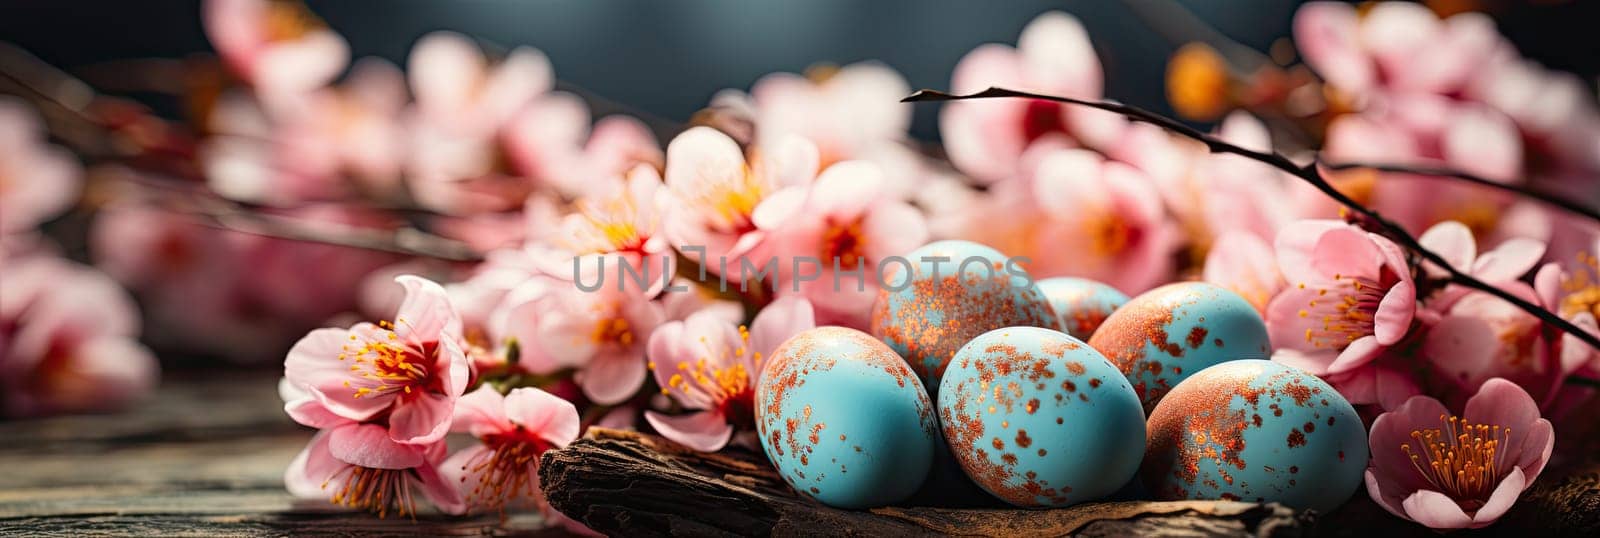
(1531, 192)
(1307, 173)
(406, 241)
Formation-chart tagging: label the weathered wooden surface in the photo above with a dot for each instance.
(634, 484)
(205, 457)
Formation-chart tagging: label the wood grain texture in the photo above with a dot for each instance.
(205, 457)
(635, 484)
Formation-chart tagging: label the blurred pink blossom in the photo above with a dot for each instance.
(1482, 336)
(68, 340)
(276, 47)
(1245, 263)
(1503, 266)
(710, 367)
(502, 470)
(1453, 472)
(715, 192)
(332, 143)
(37, 180)
(1053, 56)
(1098, 219)
(412, 370)
(1350, 296)
(1572, 291)
(844, 222)
(623, 224)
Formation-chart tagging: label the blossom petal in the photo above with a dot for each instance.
(1509, 261)
(313, 364)
(777, 322)
(1388, 502)
(480, 412)
(1327, 35)
(1453, 241)
(613, 377)
(1358, 353)
(546, 415)
(703, 155)
(1395, 312)
(423, 419)
(312, 468)
(1503, 403)
(705, 431)
(1435, 510)
(426, 313)
(368, 445)
(1295, 244)
(1503, 497)
(440, 491)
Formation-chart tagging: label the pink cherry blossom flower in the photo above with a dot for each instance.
(1214, 194)
(465, 106)
(840, 110)
(413, 370)
(1350, 296)
(67, 340)
(1455, 472)
(600, 333)
(1245, 264)
(358, 465)
(1101, 220)
(1053, 56)
(277, 47)
(715, 192)
(623, 225)
(1394, 47)
(461, 90)
(1482, 336)
(502, 470)
(1572, 291)
(844, 223)
(1505, 264)
(330, 143)
(37, 180)
(710, 367)
(550, 142)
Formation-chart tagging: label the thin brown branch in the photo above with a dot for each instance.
(1576, 208)
(1307, 173)
(405, 241)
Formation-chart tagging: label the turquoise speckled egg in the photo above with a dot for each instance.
(1255, 430)
(844, 420)
(1081, 304)
(1038, 418)
(955, 290)
(1162, 336)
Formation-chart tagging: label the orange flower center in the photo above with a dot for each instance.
(508, 471)
(1462, 460)
(726, 381)
(1582, 288)
(389, 364)
(1349, 313)
(843, 242)
(375, 490)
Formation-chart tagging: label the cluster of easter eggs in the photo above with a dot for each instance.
(1051, 393)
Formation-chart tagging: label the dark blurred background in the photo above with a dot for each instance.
(666, 58)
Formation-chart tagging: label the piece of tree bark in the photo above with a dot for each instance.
(635, 484)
